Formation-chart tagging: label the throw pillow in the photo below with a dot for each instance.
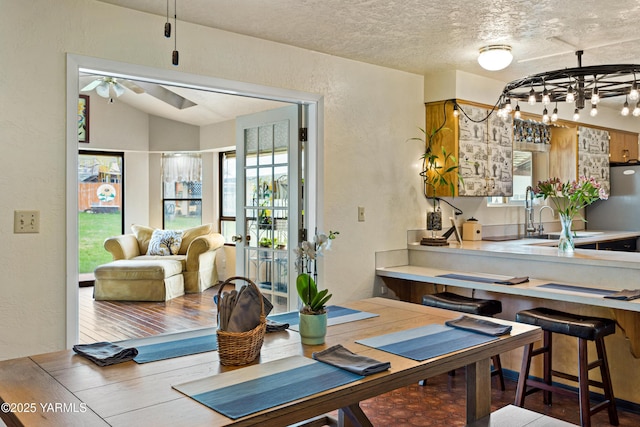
(191, 233)
(143, 235)
(165, 242)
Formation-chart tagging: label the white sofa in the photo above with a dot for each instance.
(135, 276)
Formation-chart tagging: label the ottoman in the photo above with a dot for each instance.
(139, 280)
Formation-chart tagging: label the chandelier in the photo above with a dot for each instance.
(578, 86)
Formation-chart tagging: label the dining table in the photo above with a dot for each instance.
(63, 388)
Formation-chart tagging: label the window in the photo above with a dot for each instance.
(228, 195)
(182, 190)
(100, 205)
(522, 178)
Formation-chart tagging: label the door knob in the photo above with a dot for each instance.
(236, 238)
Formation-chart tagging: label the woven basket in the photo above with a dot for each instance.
(241, 348)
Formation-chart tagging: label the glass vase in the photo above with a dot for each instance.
(566, 245)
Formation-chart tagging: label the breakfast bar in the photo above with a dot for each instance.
(574, 284)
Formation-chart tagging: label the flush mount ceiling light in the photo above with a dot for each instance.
(495, 57)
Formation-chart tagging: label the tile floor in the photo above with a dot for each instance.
(442, 401)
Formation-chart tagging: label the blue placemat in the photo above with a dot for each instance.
(572, 288)
(335, 315)
(426, 342)
(177, 348)
(468, 278)
(247, 397)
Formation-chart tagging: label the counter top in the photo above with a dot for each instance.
(532, 247)
(532, 288)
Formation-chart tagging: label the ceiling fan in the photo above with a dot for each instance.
(105, 86)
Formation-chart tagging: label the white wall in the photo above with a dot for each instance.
(116, 126)
(136, 192)
(369, 112)
(169, 135)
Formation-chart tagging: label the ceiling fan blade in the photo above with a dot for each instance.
(118, 89)
(103, 89)
(91, 85)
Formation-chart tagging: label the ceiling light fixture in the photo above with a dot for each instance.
(625, 108)
(167, 25)
(517, 113)
(174, 54)
(495, 57)
(577, 85)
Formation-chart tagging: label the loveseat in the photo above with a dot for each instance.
(146, 267)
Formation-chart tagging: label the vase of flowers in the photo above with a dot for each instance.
(569, 199)
(313, 314)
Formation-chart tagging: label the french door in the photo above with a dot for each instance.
(268, 202)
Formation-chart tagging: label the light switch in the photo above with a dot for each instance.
(26, 221)
(360, 214)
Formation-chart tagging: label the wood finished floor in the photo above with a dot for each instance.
(440, 403)
(120, 320)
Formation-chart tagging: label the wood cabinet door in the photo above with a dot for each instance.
(623, 146)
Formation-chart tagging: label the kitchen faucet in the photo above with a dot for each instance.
(529, 227)
(540, 226)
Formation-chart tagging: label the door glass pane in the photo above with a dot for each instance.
(265, 145)
(265, 161)
(100, 213)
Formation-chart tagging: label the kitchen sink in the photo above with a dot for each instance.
(555, 236)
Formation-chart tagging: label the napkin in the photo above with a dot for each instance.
(273, 326)
(341, 357)
(625, 294)
(513, 281)
(239, 311)
(479, 325)
(105, 353)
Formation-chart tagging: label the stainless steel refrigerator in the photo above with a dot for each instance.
(622, 210)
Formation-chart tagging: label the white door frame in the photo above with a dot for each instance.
(77, 63)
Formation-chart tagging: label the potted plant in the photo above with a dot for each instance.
(439, 169)
(313, 313)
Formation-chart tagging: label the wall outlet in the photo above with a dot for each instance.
(26, 221)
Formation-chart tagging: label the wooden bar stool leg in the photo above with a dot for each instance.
(606, 382)
(547, 366)
(497, 366)
(583, 383)
(524, 374)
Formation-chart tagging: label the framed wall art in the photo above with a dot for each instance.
(83, 118)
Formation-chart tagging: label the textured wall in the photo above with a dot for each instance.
(369, 112)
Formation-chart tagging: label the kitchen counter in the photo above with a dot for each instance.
(416, 270)
(538, 259)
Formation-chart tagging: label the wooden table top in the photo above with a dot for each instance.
(62, 388)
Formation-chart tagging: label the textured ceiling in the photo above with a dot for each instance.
(426, 36)
(423, 36)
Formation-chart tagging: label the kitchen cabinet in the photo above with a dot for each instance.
(593, 155)
(624, 245)
(579, 151)
(623, 146)
(563, 155)
(483, 147)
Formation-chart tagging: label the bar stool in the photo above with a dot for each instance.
(585, 329)
(470, 305)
